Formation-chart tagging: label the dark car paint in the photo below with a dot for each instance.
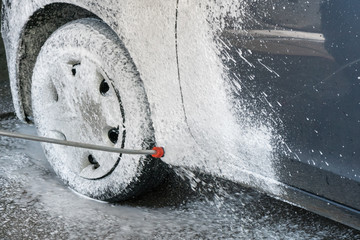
(304, 60)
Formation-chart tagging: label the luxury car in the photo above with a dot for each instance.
(263, 93)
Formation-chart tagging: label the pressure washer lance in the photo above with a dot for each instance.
(156, 152)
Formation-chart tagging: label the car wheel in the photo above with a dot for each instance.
(86, 88)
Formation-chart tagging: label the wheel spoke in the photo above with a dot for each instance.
(56, 121)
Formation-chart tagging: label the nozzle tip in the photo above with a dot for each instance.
(159, 152)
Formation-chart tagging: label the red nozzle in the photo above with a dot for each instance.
(159, 152)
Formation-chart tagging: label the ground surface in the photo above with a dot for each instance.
(34, 204)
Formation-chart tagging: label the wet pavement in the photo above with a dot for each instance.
(34, 204)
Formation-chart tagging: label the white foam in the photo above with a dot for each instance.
(219, 136)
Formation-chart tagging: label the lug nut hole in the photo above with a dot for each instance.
(73, 70)
(113, 135)
(104, 87)
(93, 161)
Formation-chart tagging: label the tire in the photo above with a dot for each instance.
(86, 88)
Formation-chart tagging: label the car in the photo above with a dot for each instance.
(262, 93)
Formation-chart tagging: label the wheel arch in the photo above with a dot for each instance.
(35, 32)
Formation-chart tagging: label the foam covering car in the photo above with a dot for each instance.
(262, 93)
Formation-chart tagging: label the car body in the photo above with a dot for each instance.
(264, 93)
